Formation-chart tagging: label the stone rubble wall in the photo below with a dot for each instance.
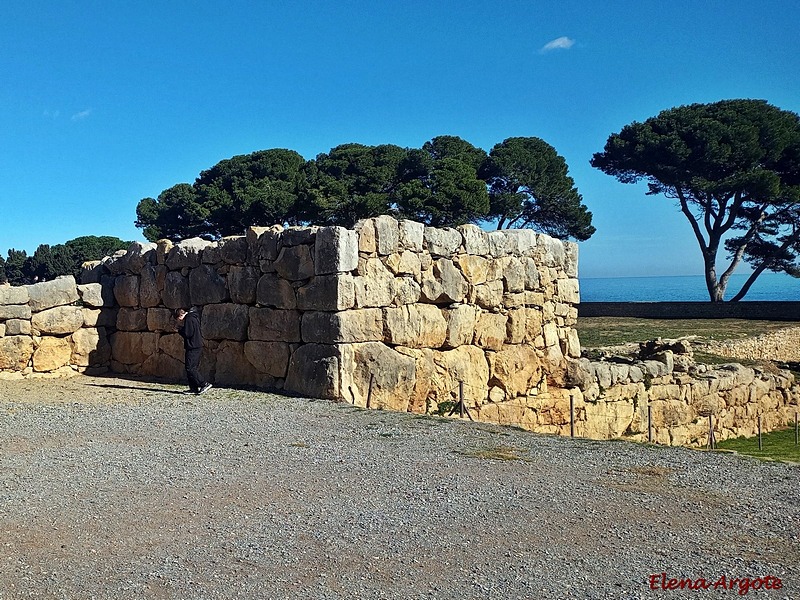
(781, 345)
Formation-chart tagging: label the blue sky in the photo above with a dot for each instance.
(107, 102)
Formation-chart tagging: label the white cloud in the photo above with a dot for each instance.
(80, 116)
(562, 43)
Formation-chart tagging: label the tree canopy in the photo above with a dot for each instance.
(446, 182)
(734, 168)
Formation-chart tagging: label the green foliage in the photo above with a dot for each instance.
(775, 445)
(529, 186)
(15, 267)
(3, 278)
(733, 165)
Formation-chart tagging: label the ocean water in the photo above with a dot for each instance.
(686, 288)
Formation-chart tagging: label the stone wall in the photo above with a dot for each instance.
(54, 328)
(391, 314)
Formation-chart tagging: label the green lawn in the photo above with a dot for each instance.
(776, 445)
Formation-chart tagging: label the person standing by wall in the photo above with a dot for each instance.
(189, 329)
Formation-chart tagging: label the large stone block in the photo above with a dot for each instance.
(328, 292)
(515, 369)
(233, 249)
(225, 322)
(133, 347)
(568, 291)
(314, 371)
(336, 250)
(387, 234)
(132, 319)
(138, 255)
(412, 235)
(234, 369)
(348, 326)
(461, 322)
(186, 253)
(58, 320)
(273, 325)
(377, 376)
(90, 348)
(273, 291)
(126, 290)
(375, 284)
(271, 358)
(13, 294)
(15, 311)
(442, 242)
(490, 331)
(52, 353)
(476, 241)
(243, 283)
(47, 294)
(415, 326)
(404, 263)
(17, 327)
(295, 263)
(265, 243)
(171, 344)
(206, 286)
(176, 291)
(96, 295)
(366, 236)
(15, 352)
(474, 268)
(149, 288)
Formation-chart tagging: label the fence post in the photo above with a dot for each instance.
(461, 397)
(759, 433)
(796, 431)
(369, 391)
(649, 423)
(571, 416)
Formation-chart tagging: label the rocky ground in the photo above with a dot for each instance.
(113, 488)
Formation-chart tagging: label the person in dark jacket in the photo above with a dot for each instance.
(189, 329)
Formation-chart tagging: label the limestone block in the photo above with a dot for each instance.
(295, 262)
(314, 371)
(100, 317)
(550, 334)
(90, 348)
(176, 291)
(531, 273)
(551, 250)
(58, 320)
(465, 364)
(488, 295)
(412, 235)
(406, 291)
(296, 236)
(490, 331)
(442, 241)
(513, 274)
(243, 284)
(3, 329)
(366, 236)
(15, 352)
(186, 253)
(234, 369)
(572, 347)
(377, 375)
(233, 249)
(274, 325)
(404, 263)
(96, 294)
(336, 250)
(13, 294)
(516, 326)
(568, 291)
(211, 255)
(520, 242)
(515, 369)
(498, 244)
(533, 325)
(225, 322)
(15, 311)
(162, 251)
(133, 347)
(279, 293)
(415, 326)
(461, 322)
(91, 271)
(17, 327)
(362, 325)
(160, 319)
(476, 241)
(171, 344)
(138, 255)
(265, 242)
(167, 367)
(454, 285)
(206, 286)
(132, 319)
(116, 263)
(374, 286)
(424, 370)
(570, 259)
(47, 294)
(149, 289)
(126, 290)
(328, 292)
(271, 358)
(52, 353)
(387, 234)
(474, 268)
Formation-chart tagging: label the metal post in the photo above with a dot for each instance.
(571, 416)
(649, 423)
(796, 430)
(759, 433)
(711, 431)
(461, 397)
(369, 391)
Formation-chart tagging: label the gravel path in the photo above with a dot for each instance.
(112, 488)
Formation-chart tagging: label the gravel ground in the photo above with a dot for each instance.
(113, 488)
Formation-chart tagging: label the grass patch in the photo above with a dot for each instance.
(597, 332)
(495, 453)
(775, 445)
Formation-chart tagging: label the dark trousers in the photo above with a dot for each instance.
(193, 369)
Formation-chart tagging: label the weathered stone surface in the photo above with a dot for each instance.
(47, 294)
(176, 291)
(404, 263)
(132, 319)
(225, 322)
(513, 274)
(52, 353)
(96, 294)
(17, 327)
(461, 322)
(13, 294)
(116, 263)
(295, 263)
(3, 329)
(328, 292)
(186, 253)
(149, 288)
(265, 242)
(90, 348)
(551, 250)
(15, 352)
(366, 236)
(271, 358)
(347, 326)
(133, 347)
(274, 325)
(387, 234)
(476, 241)
(243, 283)
(519, 242)
(206, 286)
(298, 235)
(465, 364)
(412, 235)
(100, 317)
(138, 255)
(406, 291)
(233, 368)
(58, 320)
(488, 295)
(15, 311)
(163, 248)
(91, 271)
(474, 268)
(336, 250)
(568, 291)
(442, 242)
(515, 369)
(378, 377)
(171, 344)
(571, 259)
(531, 273)
(314, 371)
(516, 326)
(233, 249)
(278, 293)
(415, 326)
(454, 286)
(490, 332)
(374, 286)
(167, 367)
(126, 290)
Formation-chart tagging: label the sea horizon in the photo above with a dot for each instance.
(685, 288)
